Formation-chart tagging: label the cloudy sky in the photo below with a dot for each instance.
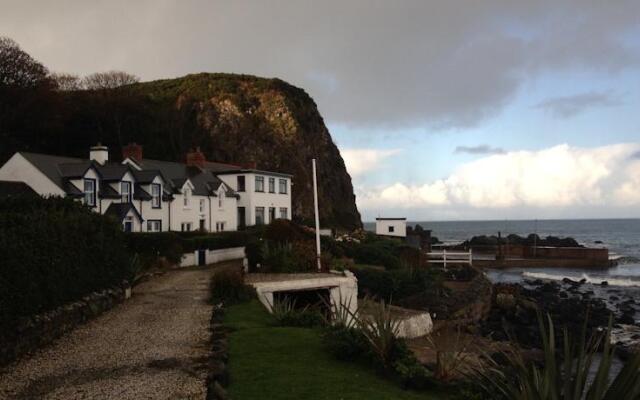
(442, 110)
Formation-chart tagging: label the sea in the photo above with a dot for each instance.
(620, 236)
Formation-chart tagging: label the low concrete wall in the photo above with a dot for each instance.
(213, 256)
(343, 288)
(39, 330)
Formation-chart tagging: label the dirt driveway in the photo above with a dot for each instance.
(154, 346)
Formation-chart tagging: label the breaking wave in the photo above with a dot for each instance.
(588, 279)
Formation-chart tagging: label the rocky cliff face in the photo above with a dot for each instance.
(232, 118)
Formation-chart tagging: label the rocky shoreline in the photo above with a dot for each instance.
(569, 303)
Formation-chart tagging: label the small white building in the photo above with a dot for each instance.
(396, 227)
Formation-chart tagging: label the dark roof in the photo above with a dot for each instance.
(72, 190)
(222, 169)
(113, 172)
(391, 219)
(50, 165)
(146, 176)
(76, 169)
(15, 189)
(120, 210)
(140, 194)
(107, 192)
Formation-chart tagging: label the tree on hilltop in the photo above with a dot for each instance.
(19, 69)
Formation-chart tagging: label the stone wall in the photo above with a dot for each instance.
(40, 330)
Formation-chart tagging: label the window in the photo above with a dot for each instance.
(154, 225)
(272, 185)
(202, 225)
(259, 215)
(156, 193)
(185, 197)
(272, 214)
(241, 186)
(221, 194)
(283, 212)
(185, 227)
(220, 226)
(127, 224)
(90, 192)
(283, 186)
(259, 183)
(391, 229)
(201, 205)
(125, 192)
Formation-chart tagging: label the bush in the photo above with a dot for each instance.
(286, 313)
(376, 253)
(228, 286)
(347, 344)
(399, 284)
(298, 256)
(55, 251)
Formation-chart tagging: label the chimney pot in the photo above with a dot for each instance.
(196, 158)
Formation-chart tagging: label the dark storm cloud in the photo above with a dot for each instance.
(366, 62)
(569, 106)
(480, 149)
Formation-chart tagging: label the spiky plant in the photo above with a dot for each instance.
(381, 329)
(566, 378)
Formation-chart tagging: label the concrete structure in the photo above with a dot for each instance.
(163, 195)
(342, 287)
(395, 227)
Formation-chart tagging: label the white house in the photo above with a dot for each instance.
(396, 227)
(150, 195)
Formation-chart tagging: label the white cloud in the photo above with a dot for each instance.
(560, 176)
(359, 161)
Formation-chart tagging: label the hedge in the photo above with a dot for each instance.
(54, 251)
(172, 245)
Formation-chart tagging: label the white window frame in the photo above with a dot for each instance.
(90, 194)
(284, 213)
(272, 184)
(126, 196)
(262, 222)
(259, 179)
(201, 205)
(152, 224)
(282, 183)
(156, 198)
(186, 194)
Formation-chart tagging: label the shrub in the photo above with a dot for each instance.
(344, 343)
(288, 257)
(55, 251)
(228, 286)
(286, 313)
(376, 253)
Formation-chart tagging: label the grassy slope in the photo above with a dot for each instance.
(272, 362)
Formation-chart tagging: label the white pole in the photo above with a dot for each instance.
(315, 204)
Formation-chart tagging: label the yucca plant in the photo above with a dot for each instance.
(381, 329)
(566, 378)
(452, 354)
(340, 313)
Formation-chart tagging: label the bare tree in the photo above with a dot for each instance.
(67, 82)
(109, 80)
(17, 68)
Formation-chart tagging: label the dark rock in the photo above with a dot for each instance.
(604, 283)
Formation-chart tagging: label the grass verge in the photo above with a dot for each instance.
(270, 362)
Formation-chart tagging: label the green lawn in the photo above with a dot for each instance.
(269, 362)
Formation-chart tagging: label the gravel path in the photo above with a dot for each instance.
(154, 346)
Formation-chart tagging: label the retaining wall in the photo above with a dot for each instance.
(39, 330)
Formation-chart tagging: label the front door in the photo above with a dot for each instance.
(272, 214)
(242, 218)
(202, 224)
(202, 257)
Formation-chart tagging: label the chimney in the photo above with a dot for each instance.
(196, 158)
(132, 151)
(249, 165)
(99, 154)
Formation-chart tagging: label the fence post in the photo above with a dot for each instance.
(444, 258)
